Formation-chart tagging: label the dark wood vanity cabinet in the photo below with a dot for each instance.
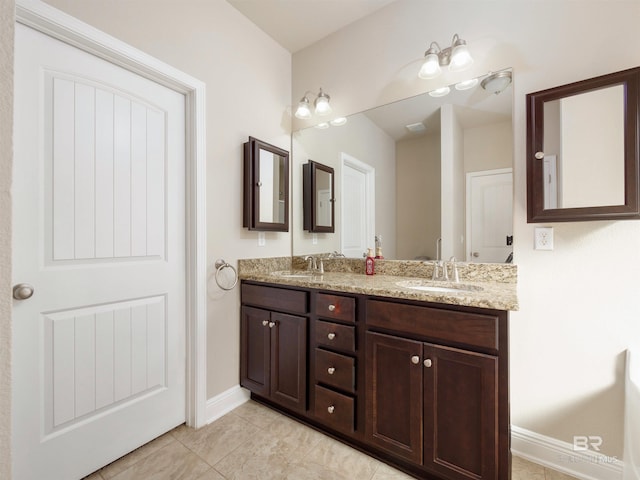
(421, 386)
(273, 361)
(437, 405)
(333, 361)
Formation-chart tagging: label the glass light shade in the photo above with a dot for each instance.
(336, 122)
(440, 92)
(460, 58)
(303, 111)
(466, 84)
(322, 126)
(431, 67)
(322, 104)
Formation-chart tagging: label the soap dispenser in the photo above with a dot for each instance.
(369, 263)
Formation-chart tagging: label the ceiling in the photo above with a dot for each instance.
(296, 24)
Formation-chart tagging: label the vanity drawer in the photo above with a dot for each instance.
(334, 409)
(274, 298)
(336, 370)
(336, 307)
(471, 329)
(334, 335)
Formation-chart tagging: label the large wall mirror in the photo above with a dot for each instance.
(582, 150)
(266, 187)
(428, 177)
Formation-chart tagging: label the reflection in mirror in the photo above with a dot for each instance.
(406, 171)
(272, 187)
(584, 149)
(266, 187)
(318, 193)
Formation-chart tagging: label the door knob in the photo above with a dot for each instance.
(22, 291)
(415, 359)
(428, 363)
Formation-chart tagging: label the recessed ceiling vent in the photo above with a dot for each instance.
(416, 127)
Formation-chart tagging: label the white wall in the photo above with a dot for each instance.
(6, 153)
(578, 306)
(248, 81)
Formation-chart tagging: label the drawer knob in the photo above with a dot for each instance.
(415, 359)
(331, 409)
(428, 363)
(332, 308)
(331, 336)
(272, 324)
(331, 370)
(265, 323)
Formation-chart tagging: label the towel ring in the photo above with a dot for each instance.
(221, 265)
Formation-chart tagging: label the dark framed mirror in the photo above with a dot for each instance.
(266, 187)
(582, 150)
(318, 192)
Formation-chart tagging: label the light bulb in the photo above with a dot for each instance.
(303, 112)
(460, 58)
(322, 104)
(336, 122)
(431, 67)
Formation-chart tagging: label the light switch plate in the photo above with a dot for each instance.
(543, 238)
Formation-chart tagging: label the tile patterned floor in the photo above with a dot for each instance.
(256, 443)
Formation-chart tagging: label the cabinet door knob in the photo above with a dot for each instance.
(272, 324)
(331, 370)
(539, 155)
(265, 323)
(332, 308)
(331, 409)
(428, 363)
(415, 359)
(331, 336)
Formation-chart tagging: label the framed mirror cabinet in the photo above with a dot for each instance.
(582, 150)
(266, 187)
(318, 193)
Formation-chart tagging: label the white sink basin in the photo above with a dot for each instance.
(429, 286)
(292, 274)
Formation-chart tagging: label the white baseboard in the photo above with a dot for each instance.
(561, 456)
(225, 402)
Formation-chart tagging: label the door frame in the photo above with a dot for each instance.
(469, 176)
(370, 182)
(57, 24)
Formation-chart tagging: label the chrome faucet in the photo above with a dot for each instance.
(313, 265)
(454, 270)
(441, 271)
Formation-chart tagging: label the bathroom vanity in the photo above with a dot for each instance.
(417, 378)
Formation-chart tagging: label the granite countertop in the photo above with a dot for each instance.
(498, 295)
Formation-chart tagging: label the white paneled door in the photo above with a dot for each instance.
(489, 215)
(99, 236)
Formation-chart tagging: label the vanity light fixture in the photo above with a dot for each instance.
(497, 82)
(457, 57)
(321, 104)
(339, 121)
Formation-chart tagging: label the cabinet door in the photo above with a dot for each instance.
(289, 360)
(460, 412)
(394, 395)
(255, 350)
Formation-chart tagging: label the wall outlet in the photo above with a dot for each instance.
(314, 238)
(262, 241)
(543, 238)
